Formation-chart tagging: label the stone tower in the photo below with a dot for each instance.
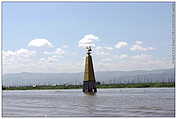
(89, 84)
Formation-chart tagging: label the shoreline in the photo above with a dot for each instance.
(101, 86)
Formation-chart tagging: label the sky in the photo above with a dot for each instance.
(51, 37)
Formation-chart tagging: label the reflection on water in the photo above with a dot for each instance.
(107, 102)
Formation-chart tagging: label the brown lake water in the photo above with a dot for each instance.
(124, 102)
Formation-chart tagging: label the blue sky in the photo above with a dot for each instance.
(65, 24)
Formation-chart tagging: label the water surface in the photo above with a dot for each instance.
(124, 102)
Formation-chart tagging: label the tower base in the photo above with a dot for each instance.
(89, 87)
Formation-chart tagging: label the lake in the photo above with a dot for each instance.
(122, 102)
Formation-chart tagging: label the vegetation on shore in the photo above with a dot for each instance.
(137, 85)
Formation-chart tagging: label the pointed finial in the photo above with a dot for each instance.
(88, 50)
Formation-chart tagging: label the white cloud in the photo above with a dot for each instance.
(21, 52)
(8, 53)
(17, 58)
(123, 56)
(48, 60)
(103, 50)
(135, 62)
(87, 40)
(24, 60)
(137, 47)
(106, 60)
(121, 44)
(36, 61)
(16, 61)
(108, 48)
(52, 59)
(25, 52)
(40, 43)
(42, 59)
(58, 51)
(143, 57)
(138, 42)
(65, 46)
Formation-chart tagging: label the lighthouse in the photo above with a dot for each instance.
(89, 83)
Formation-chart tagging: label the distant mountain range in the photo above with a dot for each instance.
(138, 76)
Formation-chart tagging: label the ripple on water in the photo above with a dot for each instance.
(107, 102)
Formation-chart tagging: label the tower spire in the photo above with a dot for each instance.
(89, 84)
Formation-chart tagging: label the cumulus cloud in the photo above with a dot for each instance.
(8, 53)
(143, 57)
(25, 52)
(21, 52)
(144, 61)
(22, 60)
(121, 44)
(58, 51)
(17, 58)
(106, 60)
(103, 50)
(138, 47)
(52, 59)
(29, 61)
(40, 43)
(87, 40)
(123, 56)
(138, 42)
(65, 46)
(49, 60)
